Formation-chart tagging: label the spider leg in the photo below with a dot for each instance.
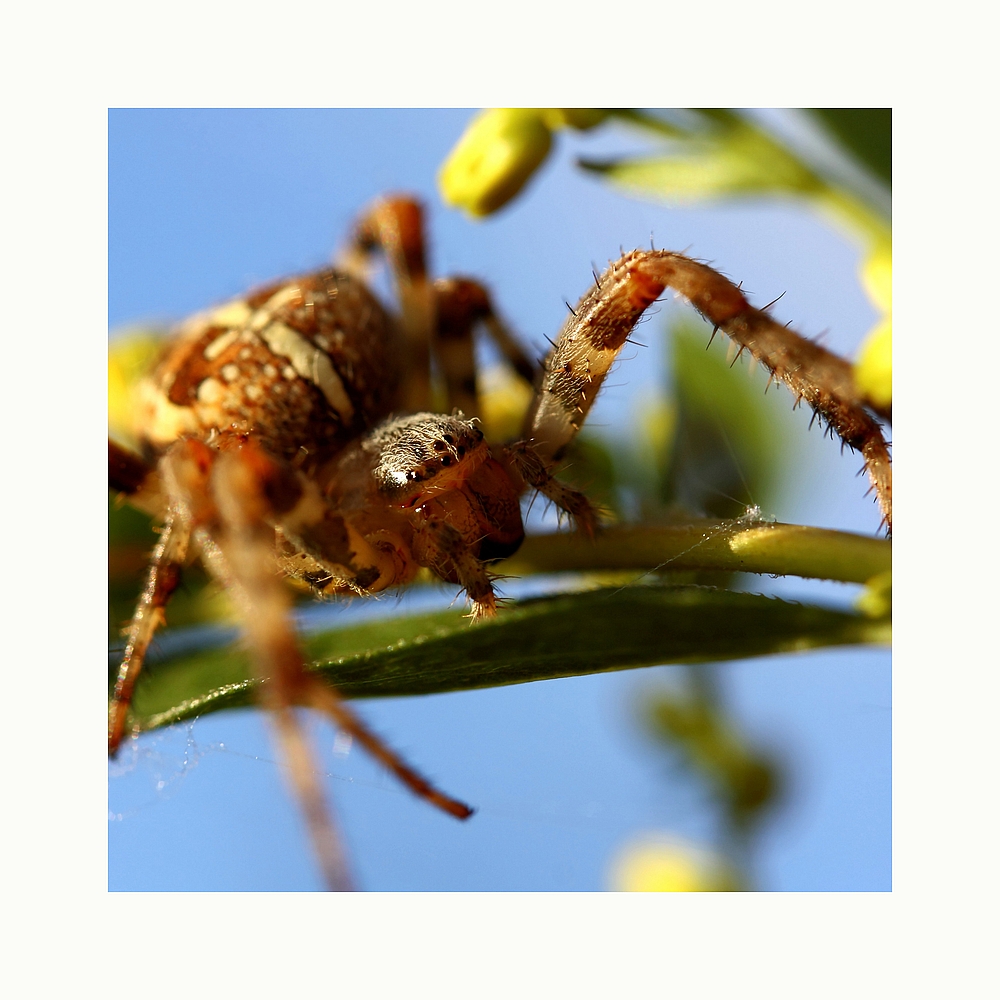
(461, 304)
(602, 320)
(441, 547)
(129, 475)
(234, 499)
(532, 469)
(219, 496)
(161, 581)
(395, 227)
(250, 474)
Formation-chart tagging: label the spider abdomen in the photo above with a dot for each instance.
(303, 365)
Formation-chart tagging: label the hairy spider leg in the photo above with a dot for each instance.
(438, 545)
(250, 472)
(252, 493)
(395, 226)
(460, 305)
(531, 468)
(218, 495)
(161, 581)
(599, 325)
(132, 478)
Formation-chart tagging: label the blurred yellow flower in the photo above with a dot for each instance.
(504, 399)
(659, 863)
(500, 150)
(876, 276)
(875, 600)
(873, 368)
(129, 358)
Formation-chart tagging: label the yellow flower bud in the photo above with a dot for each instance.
(504, 399)
(498, 153)
(662, 864)
(876, 274)
(875, 600)
(129, 358)
(873, 369)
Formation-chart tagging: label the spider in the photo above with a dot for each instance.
(290, 434)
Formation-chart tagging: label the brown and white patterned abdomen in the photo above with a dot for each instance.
(305, 364)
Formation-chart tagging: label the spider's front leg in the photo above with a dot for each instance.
(602, 320)
(529, 465)
(234, 500)
(221, 499)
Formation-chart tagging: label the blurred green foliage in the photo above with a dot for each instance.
(732, 447)
(709, 154)
(864, 132)
(566, 635)
(694, 721)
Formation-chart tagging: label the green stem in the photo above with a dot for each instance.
(736, 546)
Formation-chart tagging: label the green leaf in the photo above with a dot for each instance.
(738, 160)
(731, 448)
(864, 132)
(568, 635)
(744, 779)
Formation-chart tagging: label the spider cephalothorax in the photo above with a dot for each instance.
(290, 433)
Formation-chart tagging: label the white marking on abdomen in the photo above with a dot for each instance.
(234, 313)
(311, 364)
(210, 391)
(220, 344)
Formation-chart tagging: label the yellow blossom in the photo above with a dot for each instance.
(657, 863)
(129, 358)
(500, 150)
(873, 368)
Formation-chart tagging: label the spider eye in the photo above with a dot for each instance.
(414, 451)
